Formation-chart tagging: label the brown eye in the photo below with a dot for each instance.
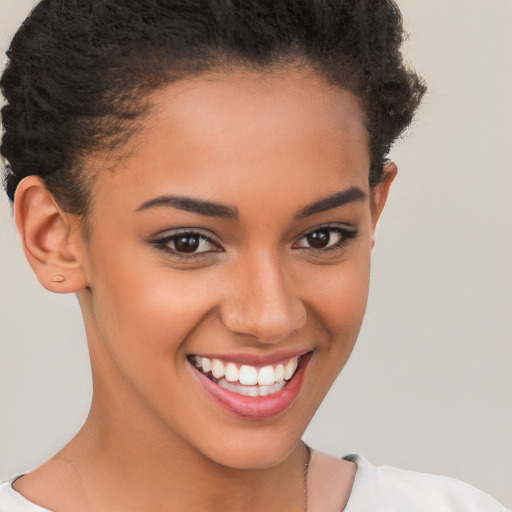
(326, 238)
(187, 243)
(318, 239)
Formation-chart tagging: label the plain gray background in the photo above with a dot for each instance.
(429, 385)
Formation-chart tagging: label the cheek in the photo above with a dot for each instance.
(337, 303)
(146, 312)
(338, 297)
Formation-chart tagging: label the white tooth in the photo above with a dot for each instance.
(265, 390)
(266, 376)
(295, 364)
(279, 373)
(254, 391)
(231, 372)
(196, 361)
(278, 386)
(223, 384)
(227, 385)
(206, 364)
(242, 390)
(248, 375)
(218, 368)
(290, 368)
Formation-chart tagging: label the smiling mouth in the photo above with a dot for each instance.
(247, 380)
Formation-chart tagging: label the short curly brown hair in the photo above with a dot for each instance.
(80, 71)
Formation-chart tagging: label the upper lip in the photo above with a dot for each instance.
(255, 359)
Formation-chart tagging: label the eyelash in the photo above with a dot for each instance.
(163, 244)
(347, 233)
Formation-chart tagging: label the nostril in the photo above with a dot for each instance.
(269, 325)
(261, 301)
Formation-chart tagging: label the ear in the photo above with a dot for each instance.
(379, 195)
(51, 237)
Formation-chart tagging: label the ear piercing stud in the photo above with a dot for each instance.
(58, 278)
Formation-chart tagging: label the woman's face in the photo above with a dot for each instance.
(235, 234)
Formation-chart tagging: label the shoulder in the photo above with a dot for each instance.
(13, 501)
(388, 489)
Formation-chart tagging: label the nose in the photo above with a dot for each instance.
(261, 302)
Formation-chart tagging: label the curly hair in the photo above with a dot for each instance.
(80, 72)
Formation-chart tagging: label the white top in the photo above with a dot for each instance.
(387, 489)
(376, 489)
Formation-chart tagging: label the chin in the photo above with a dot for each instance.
(249, 446)
(254, 456)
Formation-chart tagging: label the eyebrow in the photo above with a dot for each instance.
(210, 209)
(190, 204)
(338, 199)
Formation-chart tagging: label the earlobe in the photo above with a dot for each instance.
(380, 193)
(50, 237)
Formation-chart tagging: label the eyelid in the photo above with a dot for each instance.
(162, 240)
(169, 233)
(347, 231)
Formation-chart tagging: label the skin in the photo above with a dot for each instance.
(267, 145)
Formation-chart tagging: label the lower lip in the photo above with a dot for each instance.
(255, 407)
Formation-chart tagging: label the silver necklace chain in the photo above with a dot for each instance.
(307, 460)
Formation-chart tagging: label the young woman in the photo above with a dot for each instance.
(207, 178)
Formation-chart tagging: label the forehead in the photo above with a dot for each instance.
(238, 136)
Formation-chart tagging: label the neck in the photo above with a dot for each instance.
(128, 465)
